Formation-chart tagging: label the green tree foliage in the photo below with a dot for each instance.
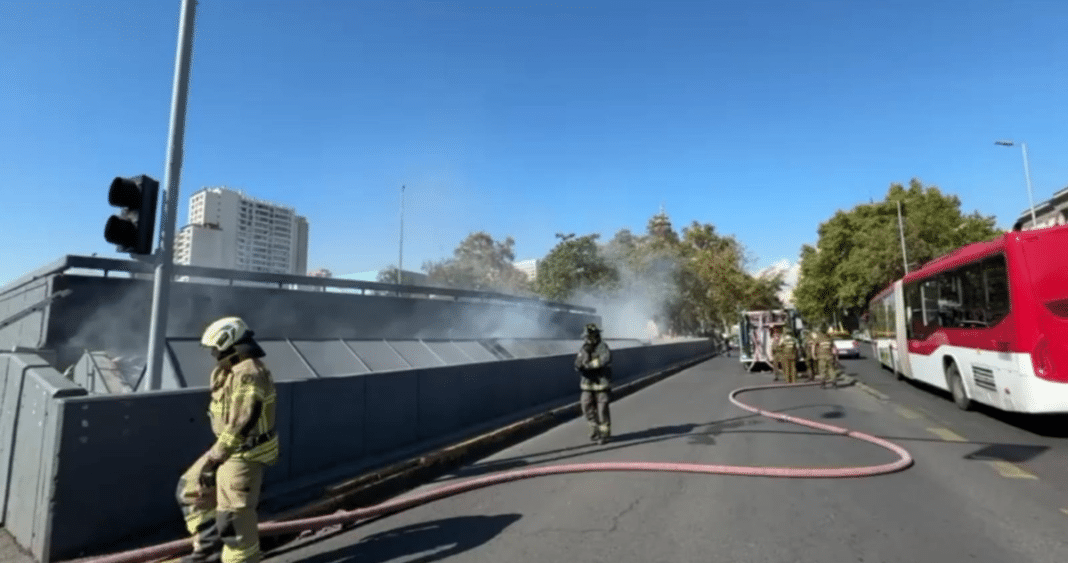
(693, 284)
(574, 263)
(390, 274)
(858, 252)
(479, 263)
(717, 284)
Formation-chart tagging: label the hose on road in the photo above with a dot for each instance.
(267, 529)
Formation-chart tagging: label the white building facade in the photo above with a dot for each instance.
(229, 229)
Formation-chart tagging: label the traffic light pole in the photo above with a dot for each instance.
(161, 292)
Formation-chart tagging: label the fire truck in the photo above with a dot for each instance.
(754, 336)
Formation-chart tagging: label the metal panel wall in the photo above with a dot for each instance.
(31, 430)
(112, 314)
(378, 355)
(335, 434)
(416, 353)
(449, 352)
(330, 358)
(475, 350)
(120, 456)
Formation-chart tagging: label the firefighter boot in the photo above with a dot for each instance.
(604, 433)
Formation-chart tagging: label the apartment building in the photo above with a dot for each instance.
(229, 229)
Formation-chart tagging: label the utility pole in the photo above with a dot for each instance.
(161, 291)
(901, 230)
(400, 259)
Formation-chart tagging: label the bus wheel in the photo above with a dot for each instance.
(956, 386)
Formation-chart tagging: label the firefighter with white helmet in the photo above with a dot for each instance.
(594, 363)
(220, 492)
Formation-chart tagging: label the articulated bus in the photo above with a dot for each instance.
(987, 322)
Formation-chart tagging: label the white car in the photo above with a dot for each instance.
(847, 348)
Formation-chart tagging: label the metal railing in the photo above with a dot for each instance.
(296, 282)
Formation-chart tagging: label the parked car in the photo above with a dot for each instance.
(847, 348)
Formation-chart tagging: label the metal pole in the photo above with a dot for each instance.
(901, 230)
(164, 261)
(1027, 174)
(400, 260)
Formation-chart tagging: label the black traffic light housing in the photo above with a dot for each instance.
(133, 230)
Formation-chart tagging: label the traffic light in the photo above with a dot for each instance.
(133, 229)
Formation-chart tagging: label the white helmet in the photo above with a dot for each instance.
(222, 333)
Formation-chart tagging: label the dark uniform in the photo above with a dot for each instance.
(219, 493)
(788, 356)
(776, 336)
(826, 359)
(594, 363)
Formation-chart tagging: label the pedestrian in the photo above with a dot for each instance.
(220, 492)
(594, 364)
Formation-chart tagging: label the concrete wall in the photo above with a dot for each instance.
(120, 456)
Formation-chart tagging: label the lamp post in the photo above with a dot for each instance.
(901, 231)
(1027, 176)
(400, 258)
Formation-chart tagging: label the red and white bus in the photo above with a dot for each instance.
(988, 323)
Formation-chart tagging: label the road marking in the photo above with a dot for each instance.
(947, 434)
(1010, 471)
(907, 413)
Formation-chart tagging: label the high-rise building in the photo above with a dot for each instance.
(528, 267)
(229, 229)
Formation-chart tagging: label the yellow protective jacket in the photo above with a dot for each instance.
(243, 412)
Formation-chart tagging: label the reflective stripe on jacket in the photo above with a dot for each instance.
(242, 412)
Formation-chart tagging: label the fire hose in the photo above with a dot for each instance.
(267, 529)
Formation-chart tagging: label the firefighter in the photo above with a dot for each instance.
(776, 336)
(811, 343)
(788, 355)
(220, 492)
(594, 364)
(827, 359)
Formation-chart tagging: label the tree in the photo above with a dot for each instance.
(717, 285)
(858, 252)
(574, 263)
(479, 263)
(390, 275)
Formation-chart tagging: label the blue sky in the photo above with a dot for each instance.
(525, 119)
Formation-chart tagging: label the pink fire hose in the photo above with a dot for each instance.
(266, 529)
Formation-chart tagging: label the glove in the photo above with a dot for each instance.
(595, 363)
(207, 473)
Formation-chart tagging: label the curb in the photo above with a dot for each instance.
(377, 486)
(871, 391)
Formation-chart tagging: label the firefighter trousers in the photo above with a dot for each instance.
(789, 368)
(595, 408)
(223, 518)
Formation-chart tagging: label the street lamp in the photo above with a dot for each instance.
(1027, 176)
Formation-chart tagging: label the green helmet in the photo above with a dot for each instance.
(592, 330)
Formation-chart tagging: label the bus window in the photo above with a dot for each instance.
(921, 320)
(890, 318)
(949, 300)
(996, 288)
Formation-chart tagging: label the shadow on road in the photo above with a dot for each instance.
(697, 433)
(1045, 425)
(423, 542)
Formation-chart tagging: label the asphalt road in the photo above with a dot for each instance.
(948, 507)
